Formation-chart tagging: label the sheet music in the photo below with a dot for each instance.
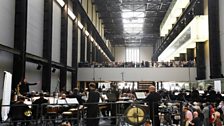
(140, 95)
(72, 101)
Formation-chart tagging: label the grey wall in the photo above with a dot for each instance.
(145, 53)
(33, 76)
(56, 35)
(119, 54)
(221, 20)
(69, 47)
(144, 74)
(79, 45)
(55, 80)
(35, 22)
(6, 64)
(69, 81)
(7, 19)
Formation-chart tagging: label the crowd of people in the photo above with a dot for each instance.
(199, 109)
(139, 64)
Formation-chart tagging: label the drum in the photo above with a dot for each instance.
(135, 115)
(53, 108)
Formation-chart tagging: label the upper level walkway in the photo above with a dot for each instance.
(137, 74)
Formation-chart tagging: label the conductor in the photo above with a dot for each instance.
(23, 87)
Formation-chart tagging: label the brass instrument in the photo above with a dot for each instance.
(28, 113)
(18, 89)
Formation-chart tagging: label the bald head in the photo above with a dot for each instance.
(152, 88)
(195, 114)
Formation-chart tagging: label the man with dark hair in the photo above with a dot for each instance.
(37, 104)
(92, 106)
(20, 112)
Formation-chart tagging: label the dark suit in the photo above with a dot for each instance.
(93, 109)
(17, 113)
(24, 88)
(36, 109)
(153, 99)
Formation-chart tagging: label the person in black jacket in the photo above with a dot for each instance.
(19, 112)
(92, 106)
(23, 87)
(153, 98)
(37, 106)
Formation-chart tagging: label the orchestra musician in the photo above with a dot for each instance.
(36, 109)
(18, 112)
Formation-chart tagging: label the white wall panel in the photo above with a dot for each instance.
(7, 21)
(6, 64)
(69, 46)
(221, 21)
(145, 53)
(35, 23)
(33, 76)
(56, 35)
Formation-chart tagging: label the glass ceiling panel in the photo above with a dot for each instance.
(133, 21)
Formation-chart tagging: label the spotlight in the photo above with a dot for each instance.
(39, 67)
(53, 70)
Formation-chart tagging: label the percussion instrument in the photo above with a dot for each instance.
(53, 108)
(135, 114)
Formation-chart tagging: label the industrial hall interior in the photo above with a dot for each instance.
(111, 63)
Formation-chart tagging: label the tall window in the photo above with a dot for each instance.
(132, 54)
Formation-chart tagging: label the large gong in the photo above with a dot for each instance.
(135, 115)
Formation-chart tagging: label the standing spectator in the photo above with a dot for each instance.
(92, 107)
(153, 98)
(196, 121)
(187, 115)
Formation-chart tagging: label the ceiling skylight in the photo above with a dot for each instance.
(133, 21)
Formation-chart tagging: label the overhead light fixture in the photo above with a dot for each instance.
(53, 70)
(61, 3)
(80, 25)
(71, 14)
(39, 67)
(91, 38)
(87, 33)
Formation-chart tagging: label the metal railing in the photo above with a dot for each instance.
(117, 113)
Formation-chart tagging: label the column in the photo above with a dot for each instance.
(47, 45)
(200, 60)
(214, 39)
(20, 41)
(190, 54)
(64, 37)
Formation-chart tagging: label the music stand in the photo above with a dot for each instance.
(111, 97)
(140, 95)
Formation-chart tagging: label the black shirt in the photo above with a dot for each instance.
(197, 121)
(24, 88)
